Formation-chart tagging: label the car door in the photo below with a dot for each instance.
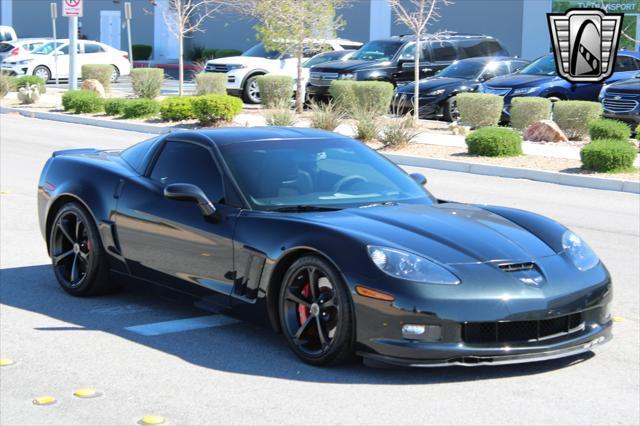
(60, 60)
(172, 242)
(406, 63)
(93, 53)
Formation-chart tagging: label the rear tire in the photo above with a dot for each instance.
(251, 92)
(77, 256)
(316, 313)
(115, 74)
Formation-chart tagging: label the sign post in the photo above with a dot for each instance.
(73, 10)
(128, 16)
(54, 16)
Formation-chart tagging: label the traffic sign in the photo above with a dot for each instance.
(72, 8)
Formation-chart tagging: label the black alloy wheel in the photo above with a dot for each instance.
(76, 252)
(315, 312)
(450, 110)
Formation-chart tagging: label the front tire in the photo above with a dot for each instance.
(115, 74)
(251, 92)
(316, 313)
(450, 110)
(77, 256)
(42, 72)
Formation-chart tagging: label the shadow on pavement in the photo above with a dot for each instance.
(243, 348)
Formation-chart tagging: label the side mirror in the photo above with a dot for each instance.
(419, 178)
(189, 192)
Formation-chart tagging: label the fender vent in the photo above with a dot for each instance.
(513, 267)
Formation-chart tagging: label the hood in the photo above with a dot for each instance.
(352, 65)
(252, 60)
(631, 86)
(449, 233)
(435, 83)
(519, 80)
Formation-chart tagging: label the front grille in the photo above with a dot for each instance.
(322, 78)
(216, 68)
(500, 91)
(521, 331)
(619, 104)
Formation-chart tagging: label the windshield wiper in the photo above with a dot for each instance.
(305, 208)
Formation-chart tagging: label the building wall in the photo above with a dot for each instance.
(500, 19)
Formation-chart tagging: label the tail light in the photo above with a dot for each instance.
(15, 51)
(125, 55)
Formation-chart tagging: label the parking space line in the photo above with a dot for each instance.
(185, 324)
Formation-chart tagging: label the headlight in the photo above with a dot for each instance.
(579, 252)
(407, 266)
(525, 91)
(435, 92)
(347, 76)
(231, 67)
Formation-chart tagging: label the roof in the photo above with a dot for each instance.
(485, 59)
(224, 136)
(440, 36)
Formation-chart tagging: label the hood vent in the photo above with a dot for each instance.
(514, 267)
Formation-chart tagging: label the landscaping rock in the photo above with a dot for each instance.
(93, 86)
(544, 131)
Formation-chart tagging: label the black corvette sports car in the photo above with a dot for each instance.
(337, 247)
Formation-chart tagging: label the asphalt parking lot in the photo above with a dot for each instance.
(227, 372)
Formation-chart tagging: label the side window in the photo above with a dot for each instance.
(625, 63)
(65, 49)
(183, 162)
(443, 51)
(92, 48)
(477, 48)
(409, 52)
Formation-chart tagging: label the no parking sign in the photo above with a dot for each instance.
(72, 8)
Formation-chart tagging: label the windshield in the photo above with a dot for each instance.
(468, 70)
(47, 48)
(378, 50)
(258, 51)
(336, 173)
(545, 65)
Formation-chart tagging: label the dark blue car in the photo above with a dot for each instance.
(540, 78)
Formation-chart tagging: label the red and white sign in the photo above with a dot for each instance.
(72, 8)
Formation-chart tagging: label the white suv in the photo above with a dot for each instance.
(243, 70)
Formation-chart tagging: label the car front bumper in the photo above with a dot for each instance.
(430, 106)
(13, 69)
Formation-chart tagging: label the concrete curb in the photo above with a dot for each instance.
(518, 173)
(405, 160)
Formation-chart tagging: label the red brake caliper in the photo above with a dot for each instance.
(303, 311)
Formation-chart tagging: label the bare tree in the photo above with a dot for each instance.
(416, 16)
(292, 26)
(185, 17)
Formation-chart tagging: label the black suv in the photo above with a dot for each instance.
(392, 59)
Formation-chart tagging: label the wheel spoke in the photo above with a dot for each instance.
(291, 296)
(78, 223)
(313, 282)
(302, 328)
(65, 232)
(58, 258)
(74, 270)
(330, 303)
(323, 339)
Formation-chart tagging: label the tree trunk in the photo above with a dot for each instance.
(180, 62)
(299, 85)
(416, 78)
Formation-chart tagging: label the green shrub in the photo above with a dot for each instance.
(573, 117)
(225, 53)
(399, 132)
(210, 109)
(366, 128)
(138, 108)
(325, 116)
(209, 53)
(146, 82)
(608, 155)
(528, 110)
(141, 52)
(343, 95)
(373, 96)
(6, 84)
(275, 89)
(603, 128)
(100, 72)
(115, 106)
(494, 142)
(82, 102)
(211, 83)
(177, 108)
(479, 109)
(281, 116)
(30, 80)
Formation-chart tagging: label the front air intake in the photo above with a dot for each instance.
(514, 267)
